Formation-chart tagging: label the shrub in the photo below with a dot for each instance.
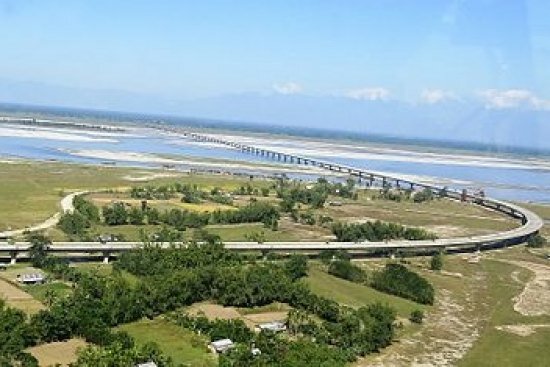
(417, 316)
(536, 241)
(436, 263)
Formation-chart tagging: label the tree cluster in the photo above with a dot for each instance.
(378, 231)
(346, 270)
(118, 214)
(396, 279)
(81, 219)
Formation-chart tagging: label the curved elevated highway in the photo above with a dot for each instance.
(530, 222)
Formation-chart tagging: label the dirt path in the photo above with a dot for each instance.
(534, 300)
(66, 206)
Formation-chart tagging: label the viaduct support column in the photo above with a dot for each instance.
(13, 258)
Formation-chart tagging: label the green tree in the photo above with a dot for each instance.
(115, 214)
(296, 266)
(38, 250)
(73, 223)
(136, 216)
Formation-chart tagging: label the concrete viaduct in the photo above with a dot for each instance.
(530, 222)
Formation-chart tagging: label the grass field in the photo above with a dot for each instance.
(444, 217)
(529, 350)
(104, 269)
(42, 291)
(181, 345)
(31, 191)
(356, 295)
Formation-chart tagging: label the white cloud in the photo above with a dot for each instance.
(433, 96)
(369, 94)
(513, 98)
(288, 88)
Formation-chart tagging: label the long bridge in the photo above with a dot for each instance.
(530, 222)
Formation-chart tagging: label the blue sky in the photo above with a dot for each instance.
(489, 53)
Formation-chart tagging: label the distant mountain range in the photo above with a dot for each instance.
(466, 121)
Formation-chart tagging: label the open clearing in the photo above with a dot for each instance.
(182, 345)
(61, 353)
(18, 298)
(31, 193)
(256, 316)
(14, 295)
(356, 295)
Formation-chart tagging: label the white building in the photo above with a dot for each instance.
(148, 364)
(274, 326)
(34, 278)
(222, 345)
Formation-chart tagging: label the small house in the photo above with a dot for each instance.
(34, 278)
(222, 345)
(147, 364)
(104, 238)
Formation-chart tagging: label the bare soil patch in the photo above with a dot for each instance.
(149, 176)
(212, 311)
(57, 352)
(534, 300)
(18, 298)
(521, 329)
(258, 318)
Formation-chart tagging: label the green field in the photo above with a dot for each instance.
(31, 191)
(104, 269)
(356, 295)
(41, 292)
(181, 345)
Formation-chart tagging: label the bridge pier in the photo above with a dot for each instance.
(13, 258)
(106, 257)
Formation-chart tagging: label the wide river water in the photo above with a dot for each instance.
(509, 177)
